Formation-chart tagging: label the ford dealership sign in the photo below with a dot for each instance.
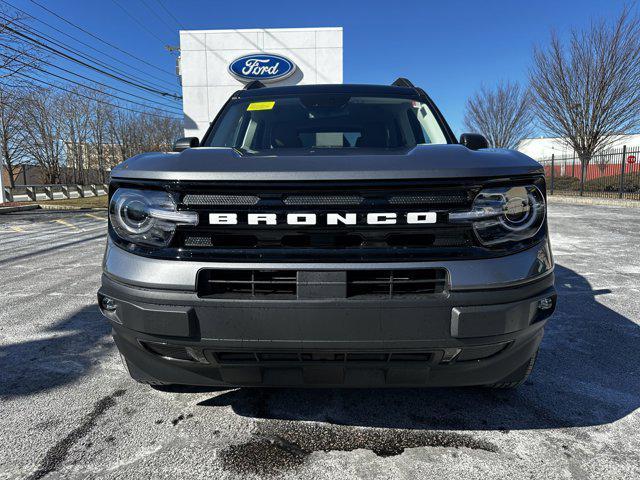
(265, 67)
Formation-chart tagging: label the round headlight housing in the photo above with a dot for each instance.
(146, 217)
(132, 212)
(505, 214)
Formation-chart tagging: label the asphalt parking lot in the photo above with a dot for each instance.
(68, 411)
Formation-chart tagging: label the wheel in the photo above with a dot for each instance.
(518, 377)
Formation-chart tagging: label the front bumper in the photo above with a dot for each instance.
(462, 337)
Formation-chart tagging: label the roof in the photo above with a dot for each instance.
(358, 89)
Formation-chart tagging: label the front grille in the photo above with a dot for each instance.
(292, 284)
(342, 232)
(395, 283)
(441, 238)
(323, 242)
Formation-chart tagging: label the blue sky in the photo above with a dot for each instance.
(448, 47)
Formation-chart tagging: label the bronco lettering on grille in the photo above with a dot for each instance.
(383, 218)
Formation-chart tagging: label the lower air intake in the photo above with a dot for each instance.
(274, 284)
(289, 284)
(395, 283)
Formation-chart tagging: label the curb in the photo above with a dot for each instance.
(611, 202)
(18, 208)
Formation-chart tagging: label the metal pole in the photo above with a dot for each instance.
(582, 171)
(624, 158)
(1, 182)
(553, 155)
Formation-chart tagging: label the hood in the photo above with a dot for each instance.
(422, 161)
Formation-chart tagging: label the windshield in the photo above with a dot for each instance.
(325, 121)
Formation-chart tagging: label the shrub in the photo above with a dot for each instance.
(565, 182)
(610, 183)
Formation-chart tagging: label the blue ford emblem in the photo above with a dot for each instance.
(261, 66)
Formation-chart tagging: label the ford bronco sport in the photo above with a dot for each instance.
(328, 235)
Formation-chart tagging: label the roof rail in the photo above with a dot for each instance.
(403, 82)
(254, 84)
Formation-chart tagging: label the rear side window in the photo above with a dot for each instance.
(325, 122)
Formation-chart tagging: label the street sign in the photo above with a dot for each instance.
(631, 159)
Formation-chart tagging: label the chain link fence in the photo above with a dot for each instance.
(611, 173)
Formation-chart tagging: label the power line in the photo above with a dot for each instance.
(94, 99)
(157, 15)
(142, 25)
(171, 14)
(73, 59)
(84, 55)
(91, 80)
(100, 39)
(178, 22)
(78, 83)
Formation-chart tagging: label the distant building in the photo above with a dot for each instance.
(22, 175)
(543, 147)
(215, 63)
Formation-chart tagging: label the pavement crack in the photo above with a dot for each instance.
(57, 454)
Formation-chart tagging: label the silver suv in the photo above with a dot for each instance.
(328, 235)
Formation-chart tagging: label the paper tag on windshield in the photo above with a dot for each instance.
(260, 106)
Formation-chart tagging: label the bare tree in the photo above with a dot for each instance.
(502, 114)
(12, 139)
(101, 147)
(78, 109)
(160, 132)
(587, 91)
(122, 133)
(142, 132)
(43, 123)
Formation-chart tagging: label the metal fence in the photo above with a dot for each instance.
(611, 173)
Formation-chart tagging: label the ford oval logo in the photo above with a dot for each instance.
(265, 67)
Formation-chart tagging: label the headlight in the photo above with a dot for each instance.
(505, 214)
(146, 217)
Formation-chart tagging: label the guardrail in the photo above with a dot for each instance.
(32, 191)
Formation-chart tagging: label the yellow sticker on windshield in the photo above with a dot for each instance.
(260, 106)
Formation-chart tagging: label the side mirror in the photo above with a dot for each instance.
(186, 142)
(473, 141)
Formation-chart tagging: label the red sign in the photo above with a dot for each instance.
(631, 159)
